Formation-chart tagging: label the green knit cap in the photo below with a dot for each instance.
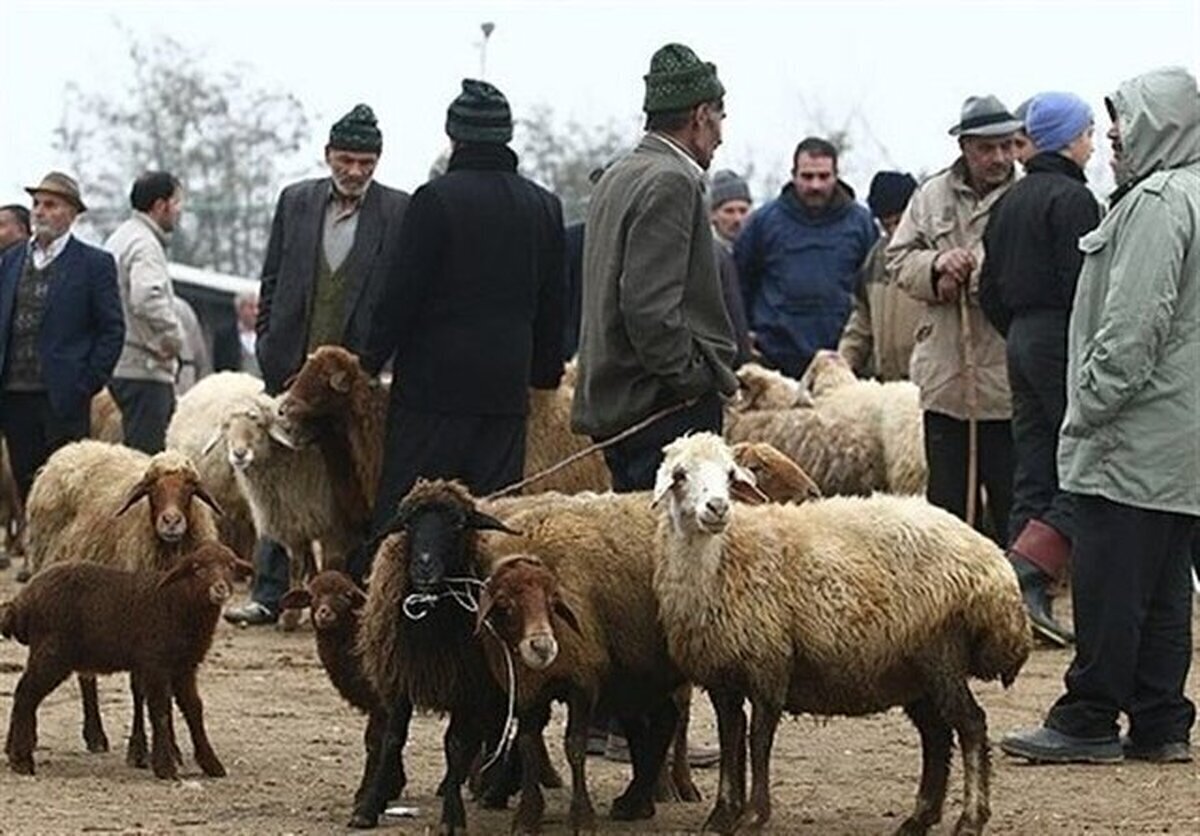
(480, 113)
(358, 130)
(678, 80)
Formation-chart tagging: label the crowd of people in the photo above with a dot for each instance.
(1055, 342)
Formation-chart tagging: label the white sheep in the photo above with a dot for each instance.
(839, 606)
(890, 411)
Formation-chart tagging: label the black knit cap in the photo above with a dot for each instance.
(358, 130)
(480, 113)
(679, 80)
(890, 191)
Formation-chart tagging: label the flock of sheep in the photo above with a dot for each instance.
(790, 565)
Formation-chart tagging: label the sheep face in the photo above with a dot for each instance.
(332, 598)
(826, 371)
(699, 478)
(519, 600)
(322, 386)
(213, 567)
(249, 434)
(169, 493)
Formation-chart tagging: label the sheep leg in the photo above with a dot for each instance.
(373, 739)
(763, 724)
(960, 709)
(368, 808)
(648, 737)
(528, 818)
(547, 775)
(678, 781)
(188, 697)
(463, 739)
(579, 719)
(93, 727)
(301, 567)
(936, 740)
(158, 704)
(731, 783)
(136, 753)
(42, 675)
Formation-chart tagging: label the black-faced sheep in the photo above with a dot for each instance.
(82, 507)
(88, 617)
(840, 606)
(335, 603)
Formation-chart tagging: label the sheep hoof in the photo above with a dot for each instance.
(582, 818)
(912, 827)
(135, 754)
(753, 820)
(166, 772)
(362, 821)
(627, 808)
(212, 767)
(21, 765)
(96, 743)
(968, 827)
(722, 819)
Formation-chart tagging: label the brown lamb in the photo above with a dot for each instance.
(88, 617)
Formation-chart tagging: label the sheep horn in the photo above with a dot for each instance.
(486, 522)
(137, 492)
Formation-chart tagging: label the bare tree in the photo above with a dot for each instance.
(226, 137)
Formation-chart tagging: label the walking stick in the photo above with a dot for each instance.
(964, 315)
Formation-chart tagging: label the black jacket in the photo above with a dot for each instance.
(473, 311)
(290, 269)
(1032, 258)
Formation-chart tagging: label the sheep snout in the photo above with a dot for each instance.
(714, 516)
(324, 617)
(219, 592)
(240, 457)
(539, 651)
(171, 525)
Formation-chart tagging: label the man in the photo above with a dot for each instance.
(1026, 289)
(472, 315)
(655, 332)
(879, 336)
(934, 256)
(329, 254)
(730, 200)
(798, 258)
(14, 225)
(61, 330)
(1129, 447)
(1023, 146)
(143, 383)
(234, 349)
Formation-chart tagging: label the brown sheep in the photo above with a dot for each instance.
(87, 617)
(549, 440)
(12, 510)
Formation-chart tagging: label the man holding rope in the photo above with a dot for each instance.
(959, 359)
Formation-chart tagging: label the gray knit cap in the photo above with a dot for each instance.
(358, 130)
(480, 113)
(727, 186)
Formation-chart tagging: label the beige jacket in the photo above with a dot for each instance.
(879, 336)
(945, 213)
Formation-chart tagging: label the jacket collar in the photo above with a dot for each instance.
(1048, 162)
(843, 198)
(481, 156)
(149, 223)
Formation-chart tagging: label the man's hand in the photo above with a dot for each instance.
(953, 268)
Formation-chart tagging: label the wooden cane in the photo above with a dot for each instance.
(968, 341)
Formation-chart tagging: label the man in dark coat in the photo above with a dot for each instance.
(1026, 289)
(330, 251)
(61, 330)
(472, 315)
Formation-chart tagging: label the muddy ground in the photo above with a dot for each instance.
(293, 753)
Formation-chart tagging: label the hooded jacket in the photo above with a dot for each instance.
(1132, 427)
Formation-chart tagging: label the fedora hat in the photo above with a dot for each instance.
(62, 185)
(985, 116)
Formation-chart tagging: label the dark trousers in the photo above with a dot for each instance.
(146, 408)
(634, 461)
(1132, 593)
(1037, 375)
(946, 451)
(485, 452)
(34, 431)
(272, 574)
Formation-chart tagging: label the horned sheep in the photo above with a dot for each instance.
(841, 606)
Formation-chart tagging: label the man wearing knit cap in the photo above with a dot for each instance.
(1023, 147)
(1129, 448)
(798, 258)
(1026, 289)
(328, 256)
(879, 336)
(472, 315)
(61, 330)
(730, 201)
(935, 255)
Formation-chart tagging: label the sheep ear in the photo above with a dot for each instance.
(662, 486)
(287, 384)
(213, 441)
(137, 492)
(486, 602)
(743, 487)
(339, 382)
(480, 521)
(358, 599)
(295, 599)
(204, 496)
(278, 434)
(563, 610)
(179, 572)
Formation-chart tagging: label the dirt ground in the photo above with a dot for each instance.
(294, 756)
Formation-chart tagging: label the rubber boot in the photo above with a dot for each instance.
(1039, 556)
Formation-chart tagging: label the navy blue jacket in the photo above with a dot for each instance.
(798, 272)
(82, 329)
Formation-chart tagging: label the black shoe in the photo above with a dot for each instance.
(1034, 583)
(5, 560)
(1044, 745)
(1174, 751)
(251, 614)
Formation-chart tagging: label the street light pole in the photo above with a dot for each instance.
(487, 28)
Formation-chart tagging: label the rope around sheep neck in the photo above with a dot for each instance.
(426, 601)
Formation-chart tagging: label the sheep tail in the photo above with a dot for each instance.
(1003, 639)
(11, 624)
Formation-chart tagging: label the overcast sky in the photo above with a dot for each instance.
(897, 70)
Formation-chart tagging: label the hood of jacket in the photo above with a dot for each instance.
(1158, 115)
(841, 203)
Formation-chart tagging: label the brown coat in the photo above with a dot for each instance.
(944, 213)
(879, 336)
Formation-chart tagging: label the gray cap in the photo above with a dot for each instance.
(727, 186)
(985, 116)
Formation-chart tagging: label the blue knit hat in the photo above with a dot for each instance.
(1055, 119)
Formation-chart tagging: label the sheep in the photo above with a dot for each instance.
(77, 510)
(763, 388)
(549, 440)
(12, 509)
(431, 659)
(336, 603)
(891, 412)
(332, 400)
(89, 617)
(105, 418)
(775, 473)
(840, 606)
(190, 431)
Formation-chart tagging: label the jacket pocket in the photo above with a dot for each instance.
(1094, 241)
